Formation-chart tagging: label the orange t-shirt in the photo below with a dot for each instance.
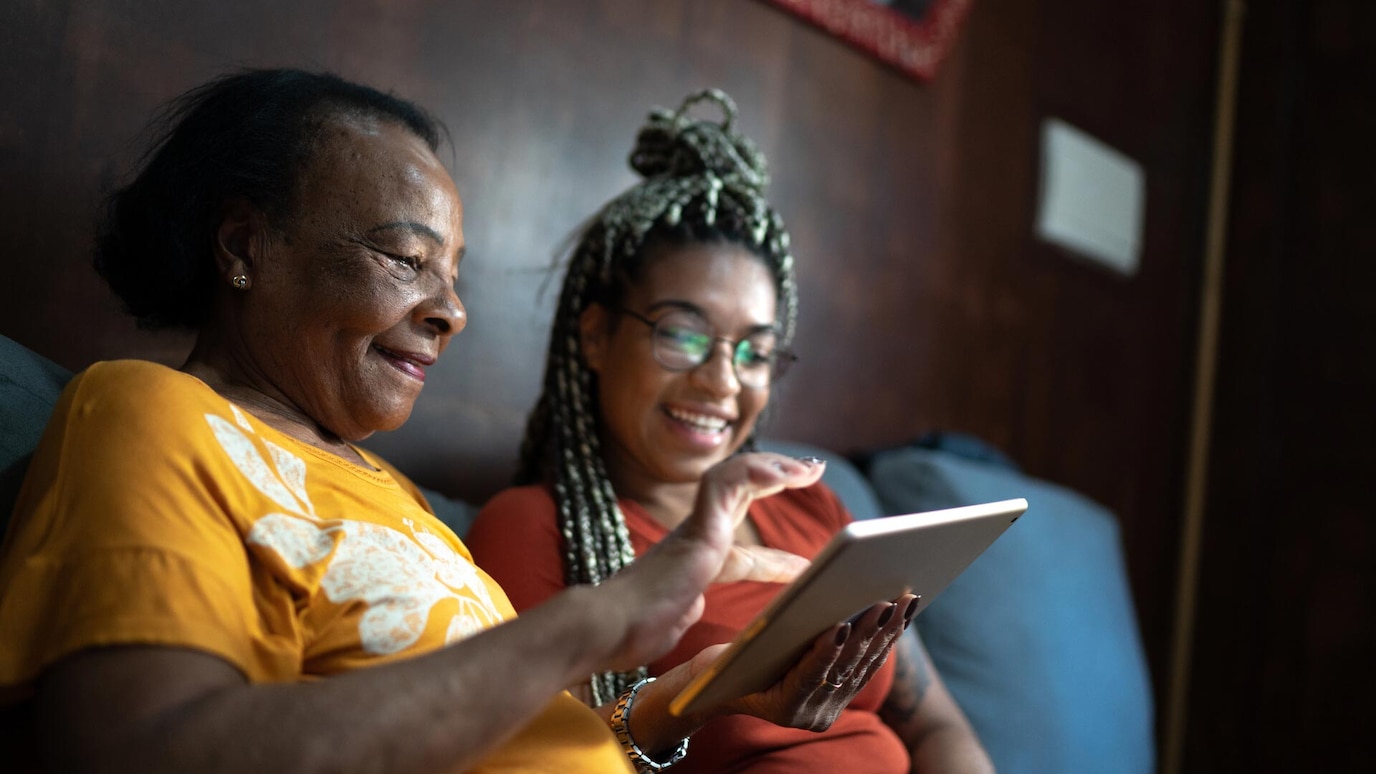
(516, 538)
(157, 512)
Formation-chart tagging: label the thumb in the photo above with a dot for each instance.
(761, 563)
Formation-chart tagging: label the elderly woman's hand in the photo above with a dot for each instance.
(660, 594)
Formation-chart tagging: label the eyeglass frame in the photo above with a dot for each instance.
(782, 358)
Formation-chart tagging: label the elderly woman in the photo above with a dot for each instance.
(204, 573)
(673, 326)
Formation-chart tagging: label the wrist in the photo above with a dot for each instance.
(648, 758)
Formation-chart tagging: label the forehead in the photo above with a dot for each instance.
(723, 279)
(362, 165)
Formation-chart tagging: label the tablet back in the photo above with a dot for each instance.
(868, 561)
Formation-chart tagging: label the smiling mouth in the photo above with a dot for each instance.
(408, 365)
(699, 422)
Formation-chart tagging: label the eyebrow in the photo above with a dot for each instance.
(412, 226)
(687, 306)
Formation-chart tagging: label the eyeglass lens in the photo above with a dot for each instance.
(684, 341)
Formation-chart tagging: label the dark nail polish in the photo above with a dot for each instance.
(887, 614)
(843, 634)
(911, 611)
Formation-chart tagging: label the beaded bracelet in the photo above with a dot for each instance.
(639, 758)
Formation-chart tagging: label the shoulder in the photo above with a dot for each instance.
(524, 510)
(135, 382)
(518, 502)
(133, 401)
(516, 540)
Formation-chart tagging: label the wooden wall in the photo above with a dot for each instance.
(927, 302)
(1286, 632)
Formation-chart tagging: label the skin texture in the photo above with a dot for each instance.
(651, 460)
(362, 272)
(653, 457)
(350, 300)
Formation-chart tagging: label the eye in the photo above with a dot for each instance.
(409, 261)
(404, 267)
(754, 354)
(682, 337)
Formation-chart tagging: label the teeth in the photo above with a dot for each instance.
(700, 421)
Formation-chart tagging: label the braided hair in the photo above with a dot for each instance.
(703, 183)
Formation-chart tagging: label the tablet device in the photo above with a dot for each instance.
(866, 562)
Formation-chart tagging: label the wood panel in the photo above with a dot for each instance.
(926, 301)
(1287, 598)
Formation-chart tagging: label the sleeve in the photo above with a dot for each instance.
(515, 540)
(123, 535)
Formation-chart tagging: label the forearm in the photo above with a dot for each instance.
(443, 711)
(950, 748)
(928, 720)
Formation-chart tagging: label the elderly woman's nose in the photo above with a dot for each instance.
(444, 311)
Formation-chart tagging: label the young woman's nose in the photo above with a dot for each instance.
(718, 372)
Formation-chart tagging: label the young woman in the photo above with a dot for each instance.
(673, 325)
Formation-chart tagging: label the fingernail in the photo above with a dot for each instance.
(811, 460)
(843, 634)
(887, 614)
(911, 611)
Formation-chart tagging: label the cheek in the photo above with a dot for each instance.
(633, 390)
(752, 404)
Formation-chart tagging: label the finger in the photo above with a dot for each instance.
(868, 627)
(880, 645)
(729, 487)
(760, 563)
(826, 652)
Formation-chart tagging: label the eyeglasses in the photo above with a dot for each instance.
(683, 341)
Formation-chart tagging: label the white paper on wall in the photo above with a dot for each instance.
(1092, 197)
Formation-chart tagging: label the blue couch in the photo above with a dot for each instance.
(1037, 640)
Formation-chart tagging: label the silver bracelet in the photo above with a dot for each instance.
(621, 714)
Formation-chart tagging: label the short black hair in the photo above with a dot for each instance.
(244, 135)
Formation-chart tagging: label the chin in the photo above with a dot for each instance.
(377, 422)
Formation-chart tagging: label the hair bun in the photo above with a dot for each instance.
(672, 145)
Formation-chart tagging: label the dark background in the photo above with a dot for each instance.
(927, 302)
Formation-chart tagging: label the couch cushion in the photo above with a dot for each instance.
(30, 385)
(1037, 640)
(847, 482)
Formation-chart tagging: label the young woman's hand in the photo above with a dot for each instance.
(828, 676)
(660, 595)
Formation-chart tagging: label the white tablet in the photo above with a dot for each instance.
(868, 561)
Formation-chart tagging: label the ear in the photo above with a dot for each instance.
(592, 335)
(240, 238)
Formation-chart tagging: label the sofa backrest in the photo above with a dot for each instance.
(29, 388)
(1037, 640)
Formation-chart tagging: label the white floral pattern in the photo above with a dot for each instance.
(399, 577)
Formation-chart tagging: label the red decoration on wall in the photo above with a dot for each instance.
(915, 45)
